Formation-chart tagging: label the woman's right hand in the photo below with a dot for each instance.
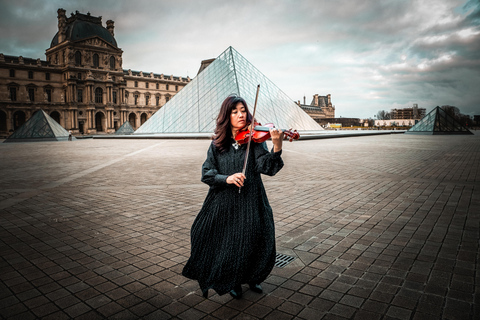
(236, 179)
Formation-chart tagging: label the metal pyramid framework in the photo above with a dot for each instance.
(438, 121)
(195, 108)
(40, 127)
(126, 128)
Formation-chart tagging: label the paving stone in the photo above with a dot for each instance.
(385, 228)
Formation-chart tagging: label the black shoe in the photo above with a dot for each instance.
(236, 292)
(256, 288)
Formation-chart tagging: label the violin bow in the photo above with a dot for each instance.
(244, 170)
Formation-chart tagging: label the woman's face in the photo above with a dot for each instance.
(238, 117)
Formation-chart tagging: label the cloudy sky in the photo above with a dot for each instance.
(370, 55)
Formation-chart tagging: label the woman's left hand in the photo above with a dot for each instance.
(277, 139)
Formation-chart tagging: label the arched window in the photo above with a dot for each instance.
(112, 63)
(78, 58)
(98, 95)
(56, 116)
(96, 61)
(143, 118)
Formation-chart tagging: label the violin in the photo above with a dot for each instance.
(262, 133)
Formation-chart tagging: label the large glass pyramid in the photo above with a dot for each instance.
(126, 128)
(195, 108)
(438, 121)
(40, 127)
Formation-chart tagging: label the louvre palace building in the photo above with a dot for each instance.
(81, 84)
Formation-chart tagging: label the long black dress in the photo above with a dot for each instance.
(233, 235)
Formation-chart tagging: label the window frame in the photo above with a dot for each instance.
(96, 60)
(78, 58)
(98, 95)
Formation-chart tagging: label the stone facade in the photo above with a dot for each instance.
(320, 108)
(81, 84)
(414, 113)
(396, 123)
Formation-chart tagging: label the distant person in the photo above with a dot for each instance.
(233, 235)
(69, 135)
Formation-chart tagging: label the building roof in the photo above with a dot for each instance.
(84, 26)
(22, 60)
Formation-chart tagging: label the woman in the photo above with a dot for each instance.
(233, 235)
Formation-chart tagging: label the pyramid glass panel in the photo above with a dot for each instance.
(438, 121)
(126, 128)
(39, 127)
(195, 108)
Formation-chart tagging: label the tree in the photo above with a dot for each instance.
(383, 115)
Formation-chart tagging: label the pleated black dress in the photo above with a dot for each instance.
(233, 235)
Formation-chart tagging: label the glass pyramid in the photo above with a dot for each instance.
(438, 121)
(40, 127)
(195, 108)
(126, 128)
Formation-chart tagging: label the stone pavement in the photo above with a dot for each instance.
(381, 227)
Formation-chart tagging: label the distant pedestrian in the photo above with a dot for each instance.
(233, 235)
(69, 135)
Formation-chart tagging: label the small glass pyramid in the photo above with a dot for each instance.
(195, 108)
(126, 128)
(438, 121)
(40, 127)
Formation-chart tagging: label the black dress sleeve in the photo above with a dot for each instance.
(267, 162)
(210, 173)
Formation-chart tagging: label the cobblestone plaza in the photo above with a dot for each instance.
(381, 227)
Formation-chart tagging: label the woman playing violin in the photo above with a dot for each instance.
(233, 235)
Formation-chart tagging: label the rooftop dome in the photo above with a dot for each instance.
(84, 26)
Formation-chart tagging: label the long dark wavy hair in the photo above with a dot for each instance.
(223, 131)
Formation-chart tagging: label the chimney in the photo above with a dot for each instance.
(315, 99)
(62, 24)
(304, 100)
(110, 26)
(329, 98)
